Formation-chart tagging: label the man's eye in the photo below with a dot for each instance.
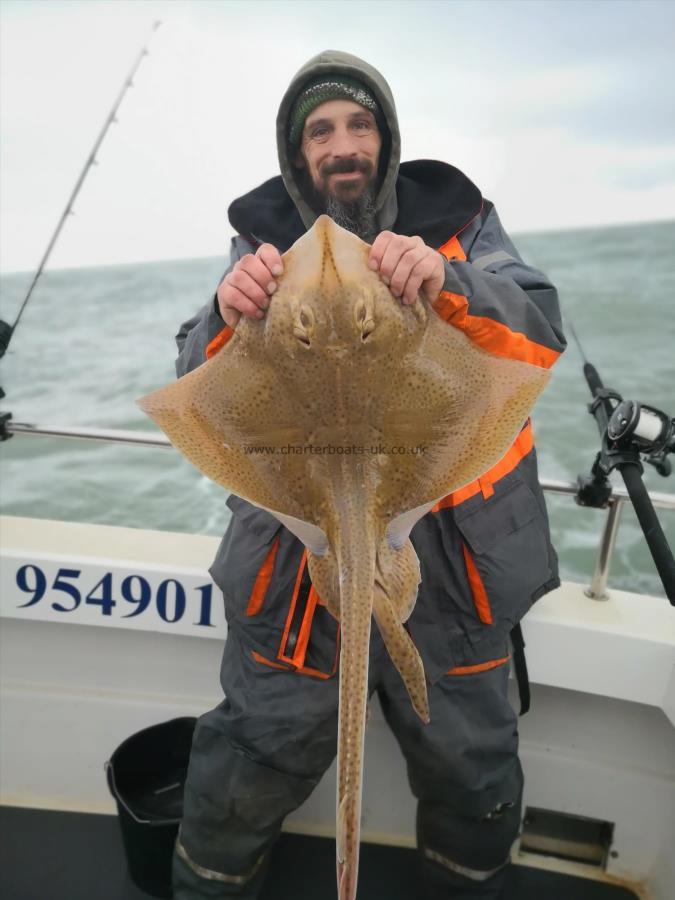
(362, 124)
(319, 132)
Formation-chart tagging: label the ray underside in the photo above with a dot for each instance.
(338, 362)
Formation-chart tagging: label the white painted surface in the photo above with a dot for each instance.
(96, 575)
(662, 875)
(605, 759)
(597, 742)
(623, 647)
(668, 702)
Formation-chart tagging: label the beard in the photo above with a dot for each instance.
(357, 216)
(352, 211)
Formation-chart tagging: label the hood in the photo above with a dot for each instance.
(333, 62)
(422, 197)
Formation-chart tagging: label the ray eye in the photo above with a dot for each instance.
(304, 325)
(360, 313)
(368, 328)
(301, 336)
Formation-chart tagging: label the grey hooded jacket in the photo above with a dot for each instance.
(485, 553)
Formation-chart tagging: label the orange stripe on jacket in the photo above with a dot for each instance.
(480, 667)
(452, 249)
(262, 581)
(219, 341)
(480, 597)
(492, 336)
(488, 334)
(518, 450)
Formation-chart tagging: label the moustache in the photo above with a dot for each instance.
(344, 166)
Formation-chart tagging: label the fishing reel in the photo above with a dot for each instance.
(629, 433)
(645, 430)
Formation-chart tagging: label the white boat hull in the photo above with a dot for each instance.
(598, 742)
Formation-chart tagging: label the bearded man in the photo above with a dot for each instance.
(485, 552)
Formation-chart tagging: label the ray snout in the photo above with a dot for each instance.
(327, 255)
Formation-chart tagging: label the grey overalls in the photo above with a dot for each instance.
(485, 557)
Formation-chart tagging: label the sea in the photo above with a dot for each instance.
(92, 340)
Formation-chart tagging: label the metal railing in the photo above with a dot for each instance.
(108, 436)
(618, 497)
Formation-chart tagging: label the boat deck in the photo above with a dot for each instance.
(49, 855)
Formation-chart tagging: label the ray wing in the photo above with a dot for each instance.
(234, 421)
(464, 406)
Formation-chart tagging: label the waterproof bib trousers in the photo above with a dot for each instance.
(262, 751)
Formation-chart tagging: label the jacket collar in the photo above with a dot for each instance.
(435, 201)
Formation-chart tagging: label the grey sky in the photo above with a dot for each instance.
(563, 113)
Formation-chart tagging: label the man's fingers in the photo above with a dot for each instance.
(238, 301)
(271, 257)
(377, 251)
(258, 271)
(396, 246)
(231, 316)
(414, 283)
(426, 276)
(404, 267)
(390, 260)
(249, 287)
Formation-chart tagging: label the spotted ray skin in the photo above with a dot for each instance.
(337, 361)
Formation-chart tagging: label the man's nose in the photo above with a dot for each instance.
(344, 143)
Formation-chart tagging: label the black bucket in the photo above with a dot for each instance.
(146, 775)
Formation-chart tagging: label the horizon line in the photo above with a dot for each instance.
(178, 259)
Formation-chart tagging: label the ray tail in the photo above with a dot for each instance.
(355, 554)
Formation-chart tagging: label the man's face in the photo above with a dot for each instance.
(340, 149)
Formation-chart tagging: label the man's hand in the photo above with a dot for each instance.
(407, 266)
(248, 287)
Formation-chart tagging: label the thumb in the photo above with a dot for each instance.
(230, 316)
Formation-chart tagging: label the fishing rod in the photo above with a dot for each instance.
(629, 432)
(7, 330)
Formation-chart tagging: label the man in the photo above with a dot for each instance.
(485, 553)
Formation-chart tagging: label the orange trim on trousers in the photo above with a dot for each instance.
(289, 618)
(262, 581)
(297, 660)
(306, 670)
(480, 667)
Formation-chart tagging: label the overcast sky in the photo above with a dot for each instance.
(562, 112)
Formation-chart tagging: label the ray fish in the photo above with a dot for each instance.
(412, 411)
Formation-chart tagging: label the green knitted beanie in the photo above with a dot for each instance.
(322, 89)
